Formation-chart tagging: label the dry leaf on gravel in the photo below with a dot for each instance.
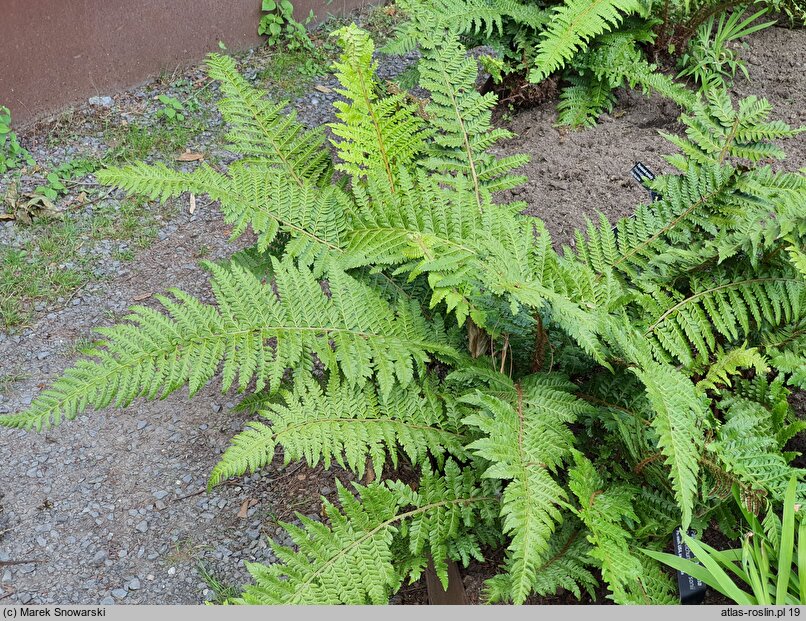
(249, 502)
(189, 156)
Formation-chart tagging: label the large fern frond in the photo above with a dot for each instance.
(323, 570)
(749, 444)
(255, 332)
(349, 424)
(606, 511)
(461, 117)
(722, 304)
(477, 17)
(373, 133)
(526, 439)
(259, 195)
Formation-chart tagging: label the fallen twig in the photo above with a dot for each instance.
(26, 562)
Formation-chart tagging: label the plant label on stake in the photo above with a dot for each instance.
(642, 175)
(692, 591)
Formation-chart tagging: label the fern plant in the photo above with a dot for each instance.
(566, 407)
(590, 47)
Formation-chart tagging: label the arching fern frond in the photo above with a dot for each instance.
(477, 17)
(749, 444)
(259, 195)
(260, 129)
(526, 440)
(616, 59)
(323, 571)
(722, 304)
(730, 363)
(716, 130)
(349, 424)
(255, 332)
(573, 25)
(606, 510)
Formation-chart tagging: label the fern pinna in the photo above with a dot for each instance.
(566, 408)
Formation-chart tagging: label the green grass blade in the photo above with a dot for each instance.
(802, 560)
(787, 543)
(724, 580)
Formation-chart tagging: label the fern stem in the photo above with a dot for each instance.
(700, 294)
(703, 200)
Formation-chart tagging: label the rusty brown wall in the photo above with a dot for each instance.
(58, 52)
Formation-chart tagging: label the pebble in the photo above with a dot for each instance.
(142, 526)
(120, 593)
(160, 494)
(134, 585)
(104, 102)
(107, 601)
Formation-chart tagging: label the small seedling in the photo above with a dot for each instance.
(279, 25)
(12, 155)
(173, 109)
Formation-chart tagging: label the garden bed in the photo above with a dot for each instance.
(111, 507)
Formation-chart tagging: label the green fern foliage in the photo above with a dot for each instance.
(374, 134)
(574, 23)
(259, 128)
(584, 101)
(362, 534)
(583, 405)
(351, 425)
(462, 119)
(254, 333)
(526, 439)
(257, 195)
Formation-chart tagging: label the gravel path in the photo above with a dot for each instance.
(110, 508)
